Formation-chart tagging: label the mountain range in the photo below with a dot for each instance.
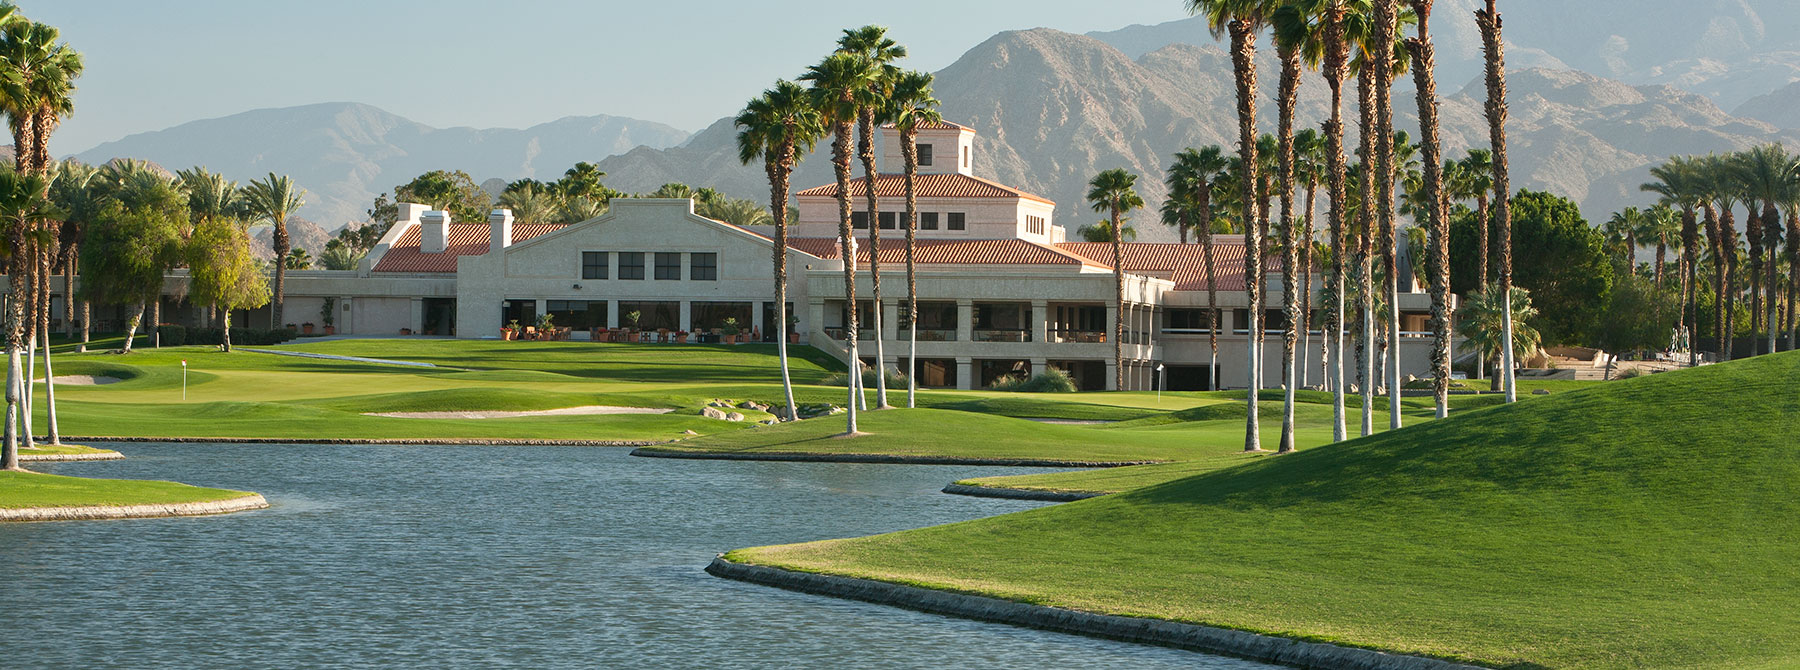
(1599, 91)
(343, 154)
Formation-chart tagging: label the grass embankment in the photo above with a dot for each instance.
(1650, 522)
(20, 490)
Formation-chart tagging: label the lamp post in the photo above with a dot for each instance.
(184, 380)
(1162, 380)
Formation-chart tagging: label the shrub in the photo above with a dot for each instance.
(172, 336)
(239, 336)
(1629, 373)
(1053, 380)
(894, 379)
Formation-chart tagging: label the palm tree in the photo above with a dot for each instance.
(576, 209)
(77, 193)
(22, 202)
(1494, 57)
(1243, 19)
(274, 199)
(1113, 192)
(1192, 178)
(1721, 190)
(912, 107)
(1679, 185)
(878, 52)
(1477, 172)
(1621, 232)
(1437, 227)
(1309, 152)
(1663, 224)
(837, 81)
(1293, 31)
(1335, 44)
(1484, 324)
(781, 126)
(209, 194)
(1762, 172)
(530, 204)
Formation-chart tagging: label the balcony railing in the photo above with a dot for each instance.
(839, 333)
(932, 334)
(1072, 335)
(1001, 335)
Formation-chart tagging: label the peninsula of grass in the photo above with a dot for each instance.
(1650, 522)
(23, 490)
(64, 450)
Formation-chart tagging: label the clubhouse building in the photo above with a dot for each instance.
(1000, 289)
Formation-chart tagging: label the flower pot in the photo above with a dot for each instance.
(681, 339)
(306, 328)
(731, 339)
(330, 329)
(793, 337)
(506, 333)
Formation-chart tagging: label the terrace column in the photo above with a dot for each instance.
(345, 311)
(815, 316)
(417, 319)
(1039, 365)
(1112, 376)
(686, 318)
(756, 317)
(1040, 322)
(1112, 317)
(612, 313)
(890, 320)
(540, 312)
(965, 323)
(965, 375)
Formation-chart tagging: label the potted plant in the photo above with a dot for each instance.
(793, 333)
(509, 332)
(306, 328)
(730, 330)
(328, 314)
(681, 337)
(631, 322)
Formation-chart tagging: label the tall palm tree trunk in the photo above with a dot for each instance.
(1494, 55)
(1287, 90)
(1753, 233)
(865, 149)
(780, 171)
(1771, 218)
(1720, 279)
(281, 253)
(1690, 244)
(1365, 89)
(50, 396)
(1385, 11)
(1438, 248)
(1484, 233)
(840, 162)
(1243, 63)
(71, 258)
(1306, 293)
(1118, 249)
(909, 152)
(1204, 193)
(1334, 158)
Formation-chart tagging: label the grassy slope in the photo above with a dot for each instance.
(31, 489)
(1645, 523)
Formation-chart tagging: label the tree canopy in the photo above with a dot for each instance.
(1556, 255)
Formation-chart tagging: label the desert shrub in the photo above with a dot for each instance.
(1053, 380)
(171, 335)
(894, 379)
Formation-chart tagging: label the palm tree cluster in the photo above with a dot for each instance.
(1211, 192)
(850, 93)
(577, 196)
(1700, 195)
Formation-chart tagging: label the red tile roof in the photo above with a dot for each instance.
(936, 125)
(950, 185)
(465, 239)
(941, 251)
(1183, 264)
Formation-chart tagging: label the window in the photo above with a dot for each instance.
(668, 265)
(859, 220)
(924, 155)
(593, 265)
(703, 266)
(965, 157)
(576, 314)
(927, 220)
(887, 220)
(1034, 225)
(956, 221)
(1185, 319)
(631, 265)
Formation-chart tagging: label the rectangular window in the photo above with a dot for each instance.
(668, 265)
(888, 221)
(965, 157)
(859, 220)
(928, 220)
(703, 266)
(593, 265)
(924, 155)
(631, 265)
(956, 221)
(1185, 319)
(575, 314)
(1034, 225)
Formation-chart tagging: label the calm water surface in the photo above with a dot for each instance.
(528, 557)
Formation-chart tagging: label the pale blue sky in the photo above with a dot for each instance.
(511, 64)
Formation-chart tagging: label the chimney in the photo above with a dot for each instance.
(409, 212)
(434, 231)
(500, 221)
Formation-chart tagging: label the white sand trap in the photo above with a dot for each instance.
(83, 380)
(566, 411)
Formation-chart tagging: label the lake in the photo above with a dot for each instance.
(530, 557)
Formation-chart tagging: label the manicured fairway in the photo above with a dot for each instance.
(31, 489)
(1652, 522)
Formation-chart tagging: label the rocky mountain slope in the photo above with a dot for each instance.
(1780, 107)
(343, 154)
(1054, 108)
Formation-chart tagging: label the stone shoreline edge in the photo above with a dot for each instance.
(449, 441)
(803, 457)
(1194, 637)
(1020, 494)
(51, 458)
(93, 512)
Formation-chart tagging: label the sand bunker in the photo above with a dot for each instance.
(83, 380)
(566, 411)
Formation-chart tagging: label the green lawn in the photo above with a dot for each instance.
(1651, 522)
(31, 489)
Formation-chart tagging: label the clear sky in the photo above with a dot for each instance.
(151, 65)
